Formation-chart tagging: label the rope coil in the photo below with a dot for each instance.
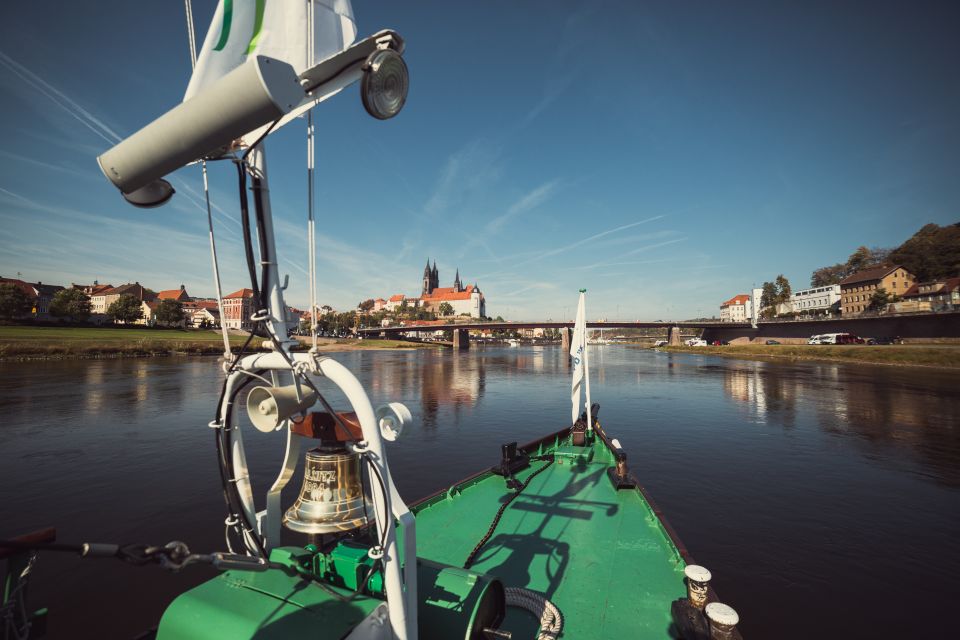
(551, 620)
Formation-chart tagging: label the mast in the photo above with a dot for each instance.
(276, 309)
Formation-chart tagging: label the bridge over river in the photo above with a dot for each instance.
(910, 325)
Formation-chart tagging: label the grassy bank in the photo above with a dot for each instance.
(30, 342)
(946, 356)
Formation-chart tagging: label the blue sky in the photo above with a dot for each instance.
(664, 155)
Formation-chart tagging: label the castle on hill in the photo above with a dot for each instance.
(467, 300)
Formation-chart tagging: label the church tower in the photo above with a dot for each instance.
(427, 279)
(456, 282)
(435, 278)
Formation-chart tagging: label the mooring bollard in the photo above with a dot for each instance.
(697, 579)
(723, 620)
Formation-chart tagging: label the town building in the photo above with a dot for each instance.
(148, 313)
(816, 301)
(395, 302)
(739, 308)
(40, 295)
(237, 309)
(201, 317)
(180, 295)
(936, 295)
(91, 289)
(856, 290)
(101, 301)
(379, 304)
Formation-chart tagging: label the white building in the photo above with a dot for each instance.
(818, 300)
(737, 309)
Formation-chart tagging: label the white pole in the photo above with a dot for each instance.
(278, 311)
(586, 367)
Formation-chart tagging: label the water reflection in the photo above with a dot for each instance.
(880, 408)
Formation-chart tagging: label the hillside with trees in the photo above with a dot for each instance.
(931, 253)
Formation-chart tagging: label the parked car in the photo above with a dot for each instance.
(814, 340)
(660, 343)
(772, 342)
(849, 338)
(696, 342)
(886, 340)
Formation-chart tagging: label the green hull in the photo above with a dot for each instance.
(600, 554)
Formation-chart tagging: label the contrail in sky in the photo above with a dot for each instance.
(60, 99)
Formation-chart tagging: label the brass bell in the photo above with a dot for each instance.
(331, 499)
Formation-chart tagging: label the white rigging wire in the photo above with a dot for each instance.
(191, 39)
(311, 233)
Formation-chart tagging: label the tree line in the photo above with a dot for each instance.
(73, 305)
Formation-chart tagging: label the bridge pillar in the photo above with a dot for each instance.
(565, 339)
(673, 337)
(461, 339)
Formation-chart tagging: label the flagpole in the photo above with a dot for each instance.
(586, 365)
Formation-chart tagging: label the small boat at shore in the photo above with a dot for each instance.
(555, 539)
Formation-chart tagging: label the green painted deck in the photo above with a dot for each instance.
(601, 555)
(270, 605)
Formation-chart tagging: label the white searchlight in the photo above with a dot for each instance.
(254, 94)
(259, 92)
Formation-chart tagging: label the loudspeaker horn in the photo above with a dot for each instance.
(269, 406)
(392, 418)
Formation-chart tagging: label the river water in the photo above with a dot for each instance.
(824, 498)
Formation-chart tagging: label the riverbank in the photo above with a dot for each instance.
(942, 356)
(38, 343)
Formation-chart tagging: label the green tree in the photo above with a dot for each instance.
(13, 301)
(880, 299)
(366, 305)
(170, 312)
(72, 304)
(862, 258)
(826, 276)
(783, 289)
(126, 308)
(445, 309)
(768, 297)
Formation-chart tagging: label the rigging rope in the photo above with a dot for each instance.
(311, 233)
(227, 354)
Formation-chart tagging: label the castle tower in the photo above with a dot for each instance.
(456, 282)
(435, 280)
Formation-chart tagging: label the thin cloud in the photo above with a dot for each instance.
(528, 202)
(65, 102)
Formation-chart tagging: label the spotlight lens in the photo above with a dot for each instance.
(385, 84)
(153, 195)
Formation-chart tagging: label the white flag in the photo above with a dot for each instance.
(277, 29)
(578, 351)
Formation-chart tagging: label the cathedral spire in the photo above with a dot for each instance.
(456, 282)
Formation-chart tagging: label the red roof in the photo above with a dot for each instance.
(740, 299)
(242, 293)
(441, 294)
(173, 294)
(941, 287)
(397, 298)
(20, 284)
(868, 275)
